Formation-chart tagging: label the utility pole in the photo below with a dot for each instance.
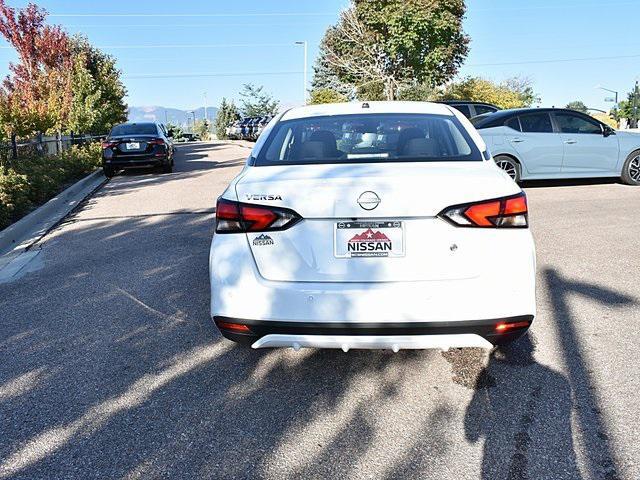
(304, 76)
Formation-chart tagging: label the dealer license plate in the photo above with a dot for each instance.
(380, 238)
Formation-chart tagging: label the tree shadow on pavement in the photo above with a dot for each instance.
(516, 413)
(519, 405)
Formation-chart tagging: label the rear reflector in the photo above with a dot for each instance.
(505, 327)
(234, 327)
(506, 212)
(236, 217)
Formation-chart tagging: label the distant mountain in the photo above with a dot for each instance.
(169, 115)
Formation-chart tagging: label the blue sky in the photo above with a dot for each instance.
(187, 36)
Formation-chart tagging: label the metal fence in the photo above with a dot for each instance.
(42, 145)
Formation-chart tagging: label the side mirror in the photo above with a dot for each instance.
(608, 131)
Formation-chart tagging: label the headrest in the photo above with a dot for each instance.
(314, 150)
(420, 147)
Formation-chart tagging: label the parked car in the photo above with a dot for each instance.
(262, 124)
(190, 137)
(136, 145)
(235, 131)
(471, 109)
(252, 128)
(245, 128)
(357, 245)
(547, 143)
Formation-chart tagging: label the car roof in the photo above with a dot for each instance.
(467, 102)
(489, 120)
(354, 108)
(137, 123)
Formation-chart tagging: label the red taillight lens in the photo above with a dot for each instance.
(156, 141)
(507, 212)
(106, 145)
(235, 217)
(234, 327)
(505, 327)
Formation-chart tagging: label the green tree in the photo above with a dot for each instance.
(174, 131)
(419, 92)
(512, 93)
(630, 108)
(98, 92)
(325, 78)
(578, 106)
(256, 102)
(395, 43)
(227, 114)
(326, 95)
(202, 128)
(36, 95)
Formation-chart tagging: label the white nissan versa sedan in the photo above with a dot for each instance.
(372, 225)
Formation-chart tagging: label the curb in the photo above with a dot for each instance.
(23, 234)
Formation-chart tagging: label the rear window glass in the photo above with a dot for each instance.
(481, 109)
(369, 138)
(464, 109)
(134, 129)
(513, 123)
(536, 123)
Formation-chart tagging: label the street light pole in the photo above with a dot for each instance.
(304, 76)
(609, 90)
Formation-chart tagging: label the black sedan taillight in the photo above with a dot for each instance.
(236, 217)
(505, 212)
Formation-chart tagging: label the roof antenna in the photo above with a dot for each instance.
(365, 105)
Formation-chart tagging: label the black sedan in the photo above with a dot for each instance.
(137, 145)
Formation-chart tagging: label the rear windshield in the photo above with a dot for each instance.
(369, 138)
(134, 129)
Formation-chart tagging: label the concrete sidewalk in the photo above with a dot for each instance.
(17, 239)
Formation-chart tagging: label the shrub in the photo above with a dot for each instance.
(14, 198)
(34, 179)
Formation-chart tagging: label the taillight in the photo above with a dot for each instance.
(106, 145)
(236, 217)
(506, 327)
(156, 141)
(506, 212)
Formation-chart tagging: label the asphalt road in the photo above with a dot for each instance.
(110, 366)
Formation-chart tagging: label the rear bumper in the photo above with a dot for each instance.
(139, 161)
(392, 335)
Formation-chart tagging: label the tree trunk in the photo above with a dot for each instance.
(389, 90)
(14, 147)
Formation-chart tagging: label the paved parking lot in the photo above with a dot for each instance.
(111, 368)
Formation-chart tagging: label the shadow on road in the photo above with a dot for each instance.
(520, 404)
(569, 182)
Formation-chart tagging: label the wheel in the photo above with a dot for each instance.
(167, 168)
(631, 169)
(109, 172)
(510, 166)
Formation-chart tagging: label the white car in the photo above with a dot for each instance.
(531, 144)
(411, 238)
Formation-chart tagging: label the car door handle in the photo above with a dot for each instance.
(570, 142)
(517, 140)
